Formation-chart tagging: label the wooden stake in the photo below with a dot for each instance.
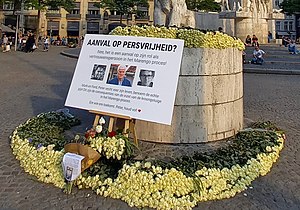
(129, 123)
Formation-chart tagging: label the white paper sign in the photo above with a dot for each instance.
(131, 76)
(72, 166)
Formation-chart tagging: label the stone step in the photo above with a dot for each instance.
(269, 65)
(283, 49)
(283, 56)
(278, 60)
(270, 50)
(271, 71)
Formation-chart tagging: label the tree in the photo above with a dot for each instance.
(41, 5)
(291, 6)
(203, 5)
(123, 7)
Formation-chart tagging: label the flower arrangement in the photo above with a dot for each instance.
(178, 184)
(193, 38)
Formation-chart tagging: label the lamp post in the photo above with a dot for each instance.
(16, 34)
(22, 17)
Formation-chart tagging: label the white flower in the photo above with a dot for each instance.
(102, 121)
(50, 147)
(98, 128)
(147, 165)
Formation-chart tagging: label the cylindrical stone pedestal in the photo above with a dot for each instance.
(209, 99)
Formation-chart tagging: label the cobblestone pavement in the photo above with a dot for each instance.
(38, 82)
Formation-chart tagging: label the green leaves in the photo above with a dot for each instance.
(203, 5)
(291, 6)
(122, 7)
(247, 144)
(47, 129)
(105, 168)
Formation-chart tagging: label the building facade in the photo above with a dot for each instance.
(289, 26)
(84, 18)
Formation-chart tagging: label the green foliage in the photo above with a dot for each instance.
(268, 125)
(203, 5)
(43, 4)
(48, 129)
(122, 7)
(105, 168)
(246, 145)
(291, 6)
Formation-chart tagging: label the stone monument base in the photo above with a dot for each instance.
(209, 99)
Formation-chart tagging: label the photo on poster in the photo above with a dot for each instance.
(69, 172)
(146, 78)
(120, 74)
(98, 72)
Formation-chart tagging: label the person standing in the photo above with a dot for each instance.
(120, 79)
(46, 43)
(270, 36)
(20, 42)
(29, 43)
(5, 43)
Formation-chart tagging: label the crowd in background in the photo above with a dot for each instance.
(27, 42)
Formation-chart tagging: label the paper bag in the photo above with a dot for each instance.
(90, 155)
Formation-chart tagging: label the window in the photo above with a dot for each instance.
(291, 26)
(93, 12)
(76, 9)
(75, 12)
(92, 6)
(277, 25)
(277, 3)
(8, 6)
(285, 25)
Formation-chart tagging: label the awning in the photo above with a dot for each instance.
(93, 26)
(5, 28)
(53, 25)
(285, 33)
(73, 26)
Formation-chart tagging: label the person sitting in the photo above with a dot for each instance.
(254, 41)
(258, 56)
(248, 40)
(292, 47)
(285, 41)
(120, 79)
